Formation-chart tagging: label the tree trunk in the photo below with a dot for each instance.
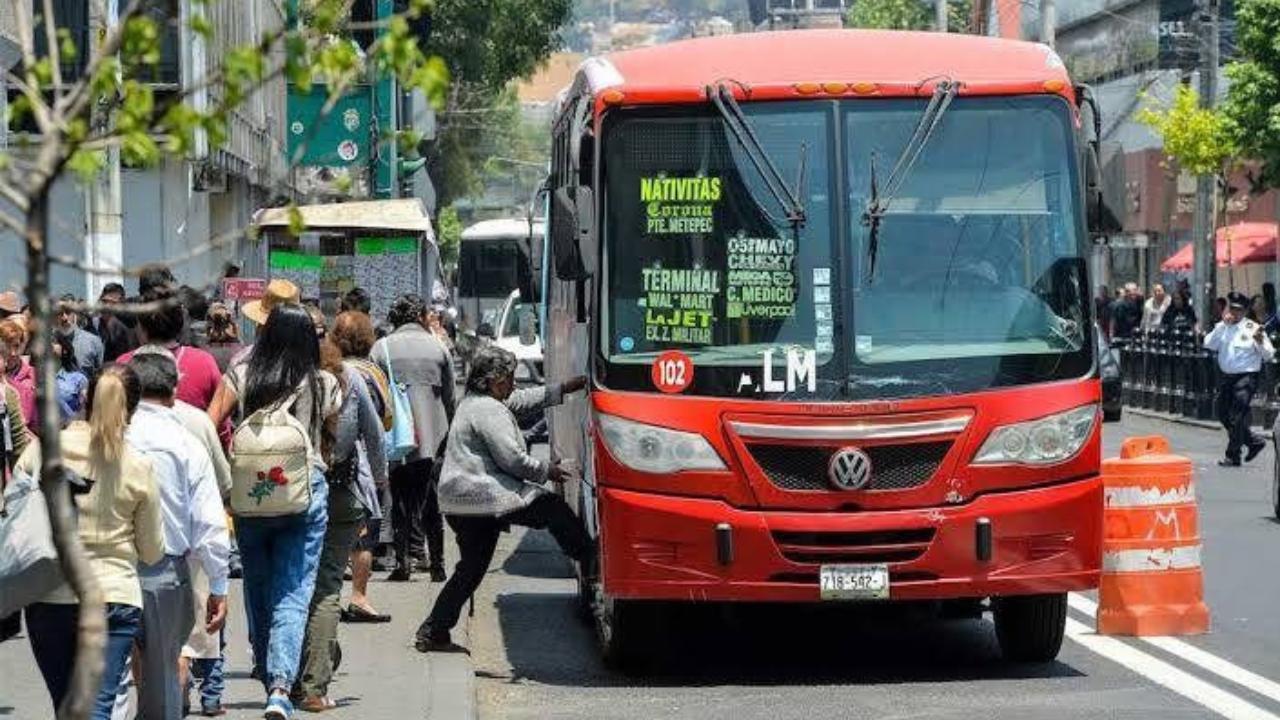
(91, 633)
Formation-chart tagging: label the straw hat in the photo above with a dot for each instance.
(9, 303)
(278, 292)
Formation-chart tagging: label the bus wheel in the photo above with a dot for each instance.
(586, 596)
(623, 632)
(1030, 627)
(1275, 477)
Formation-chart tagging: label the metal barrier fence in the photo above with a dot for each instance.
(1170, 371)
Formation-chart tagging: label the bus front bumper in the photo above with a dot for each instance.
(664, 547)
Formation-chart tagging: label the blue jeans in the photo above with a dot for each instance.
(209, 673)
(280, 557)
(52, 631)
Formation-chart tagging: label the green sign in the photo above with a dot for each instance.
(286, 260)
(343, 137)
(386, 246)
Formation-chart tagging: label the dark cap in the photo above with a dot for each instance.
(1238, 301)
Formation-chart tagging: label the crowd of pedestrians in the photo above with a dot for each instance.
(1129, 313)
(322, 448)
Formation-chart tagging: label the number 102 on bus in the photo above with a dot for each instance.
(672, 372)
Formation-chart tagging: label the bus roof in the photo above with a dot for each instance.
(864, 62)
(502, 229)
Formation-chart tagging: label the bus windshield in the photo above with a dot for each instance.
(971, 275)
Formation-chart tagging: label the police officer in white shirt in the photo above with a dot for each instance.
(1241, 347)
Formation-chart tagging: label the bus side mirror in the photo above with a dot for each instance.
(1104, 188)
(574, 232)
(564, 234)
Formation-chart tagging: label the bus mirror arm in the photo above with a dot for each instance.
(585, 214)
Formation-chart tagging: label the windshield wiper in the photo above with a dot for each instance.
(792, 203)
(878, 205)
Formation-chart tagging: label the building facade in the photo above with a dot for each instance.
(182, 210)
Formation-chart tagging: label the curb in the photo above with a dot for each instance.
(1184, 420)
(451, 691)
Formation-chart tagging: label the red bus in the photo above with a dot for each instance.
(830, 288)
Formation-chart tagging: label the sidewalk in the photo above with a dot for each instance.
(1184, 420)
(381, 676)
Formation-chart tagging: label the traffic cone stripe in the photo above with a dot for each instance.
(1154, 559)
(1146, 496)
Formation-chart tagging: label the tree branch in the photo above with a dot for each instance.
(75, 103)
(26, 40)
(54, 52)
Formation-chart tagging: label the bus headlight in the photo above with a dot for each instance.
(1044, 441)
(653, 449)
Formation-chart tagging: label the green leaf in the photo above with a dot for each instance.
(296, 224)
(140, 43)
(67, 51)
(86, 164)
(200, 25)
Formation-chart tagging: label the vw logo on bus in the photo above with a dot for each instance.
(850, 469)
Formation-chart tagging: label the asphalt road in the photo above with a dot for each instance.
(535, 658)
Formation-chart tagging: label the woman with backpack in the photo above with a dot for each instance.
(353, 334)
(284, 403)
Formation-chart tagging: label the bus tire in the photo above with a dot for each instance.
(1030, 627)
(623, 633)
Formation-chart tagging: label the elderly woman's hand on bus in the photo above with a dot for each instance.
(558, 473)
(574, 384)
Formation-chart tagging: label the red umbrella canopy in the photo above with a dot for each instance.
(1239, 244)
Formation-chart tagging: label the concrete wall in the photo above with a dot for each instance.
(66, 231)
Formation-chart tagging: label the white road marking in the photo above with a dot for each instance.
(1162, 673)
(1208, 661)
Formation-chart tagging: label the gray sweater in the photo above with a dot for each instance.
(487, 466)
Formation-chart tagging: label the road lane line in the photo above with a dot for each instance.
(1206, 660)
(1162, 673)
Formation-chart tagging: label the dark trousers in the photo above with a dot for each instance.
(1235, 393)
(478, 538)
(415, 514)
(52, 631)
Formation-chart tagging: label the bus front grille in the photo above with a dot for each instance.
(893, 467)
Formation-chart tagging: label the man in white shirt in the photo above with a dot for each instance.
(194, 524)
(1153, 309)
(1241, 347)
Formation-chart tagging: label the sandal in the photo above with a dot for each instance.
(357, 614)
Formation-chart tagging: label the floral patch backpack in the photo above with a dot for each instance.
(271, 462)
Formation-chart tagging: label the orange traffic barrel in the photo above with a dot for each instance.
(1151, 578)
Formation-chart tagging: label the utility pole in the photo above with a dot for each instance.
(1048, 21)
(1205, 266)
(104, 243)
(940, 15)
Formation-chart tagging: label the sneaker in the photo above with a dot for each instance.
(317, 704)
(1255, 447)
(214, 710)
(1229, 462)
(278, 708)
(438, 574)
(399, 575)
